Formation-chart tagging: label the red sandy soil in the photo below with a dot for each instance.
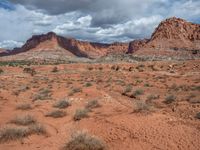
(164, 127)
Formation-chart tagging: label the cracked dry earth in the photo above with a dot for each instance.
(121, 121)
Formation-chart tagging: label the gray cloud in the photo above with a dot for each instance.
(9, 44)
(105, 12)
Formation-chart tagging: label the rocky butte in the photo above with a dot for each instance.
(173, 34)
(51, 42)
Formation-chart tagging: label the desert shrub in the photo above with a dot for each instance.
(139, 81)
(195, 88)
(75, 90)
(84, 141)
(23, 88)
(42, 94)
(197, 115)
(120, 82)
(152, 97)
(1, 71)
(140, 68)
(130, 69)
(115, 67)
(56, 114)
(37, 129)
(80, 113)
(24, 106)
(170, 99)
(92, 104)
(174, 87)
(30, 71)
(137, 92)
(147, 85)
(153, 67)
(127, 89)
(55, 69)
(62, 104)
(12, 133)
(88, 84)
(23, 120)
(141, 106)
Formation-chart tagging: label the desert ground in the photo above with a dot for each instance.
(126, 106)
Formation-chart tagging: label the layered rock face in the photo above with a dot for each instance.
(2, 50)
(136, 45)
(172, 34)
(52, 43)
(176, 34)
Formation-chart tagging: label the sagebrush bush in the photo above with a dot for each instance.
(75, 90)
(152, 97)
(1, 71)
(84, 141)
(42, 94)
(197, 115)
(37, 129)
(92, 104)
(25, 106)
(23, 120)
(88, 84)
(127, 89)
(62, 104)
(30, 71)
(55, 69)
(56, 114)
(11, 133)
(140, 106)
(80, 113)
(137, 93)
(170, 99)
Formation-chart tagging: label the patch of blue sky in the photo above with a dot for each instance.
(7, 5)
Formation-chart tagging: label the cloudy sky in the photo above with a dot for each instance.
(94, 20)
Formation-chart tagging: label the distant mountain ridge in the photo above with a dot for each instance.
(72, 47)
(171, 35)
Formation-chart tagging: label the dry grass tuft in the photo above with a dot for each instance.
(10, 133)
(62, 104)
(84, 141)
(141, 106)
(80, 113)
(23, 120)
(24, 106)
(92, 104)
(56, 114)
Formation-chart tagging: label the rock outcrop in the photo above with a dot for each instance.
(173, 34)
(136, 45)
(69, 46)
